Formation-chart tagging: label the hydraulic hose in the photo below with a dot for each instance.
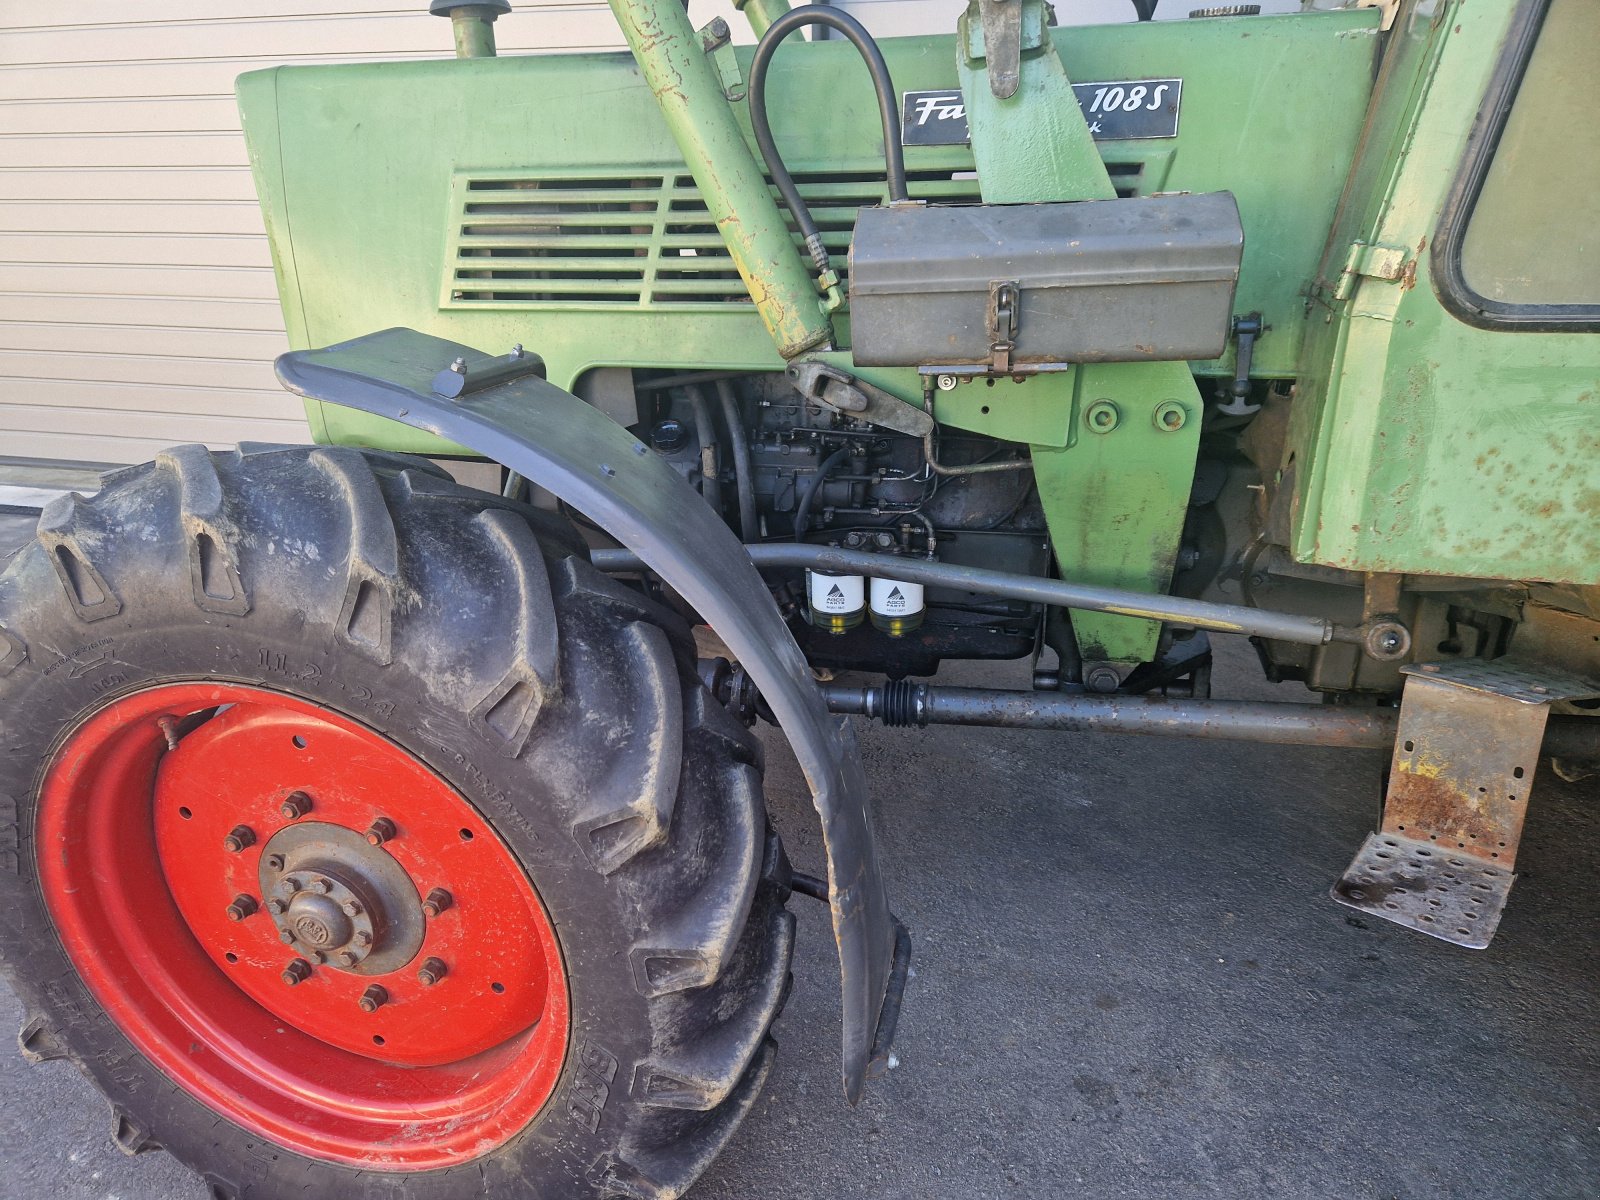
(894, 156)
(743, 472)
(802, 512)
(706, 432)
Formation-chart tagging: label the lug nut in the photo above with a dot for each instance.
(436, 902)
(290, 884)
(320, 886)
(295, 806)
(373, 998)
(298, 971)
(239, 838)
(242, 907)
(274, 862)
(348, 958)
(352, 908)
(431, 972)
(277, 907)
(362, 938)
(380, 831)
(286, 936)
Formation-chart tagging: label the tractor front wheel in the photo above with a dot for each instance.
(359, 839)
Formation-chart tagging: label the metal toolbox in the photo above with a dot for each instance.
(1013, 288)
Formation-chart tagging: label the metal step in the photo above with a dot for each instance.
(1465, 754)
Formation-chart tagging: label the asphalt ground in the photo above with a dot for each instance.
(1129, 981)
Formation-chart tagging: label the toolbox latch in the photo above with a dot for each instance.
(1005, 303)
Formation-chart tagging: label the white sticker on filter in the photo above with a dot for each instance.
(837, 595)
(896, 598)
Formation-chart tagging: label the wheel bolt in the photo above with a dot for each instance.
(380, 831)
(348, 958)
(242, 907)
(239, 838)
(320, 886)
(277, 907)
(274, 862)
(373, 998)
(436, 902)
(298, 971)
(362, 938)
(290, 884)
(286, 936)
(431, 972)
(295, 806)
(352, 908)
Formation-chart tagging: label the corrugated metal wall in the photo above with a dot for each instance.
(137, 307)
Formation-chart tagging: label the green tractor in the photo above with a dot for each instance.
(371, 835)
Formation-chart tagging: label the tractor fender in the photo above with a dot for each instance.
(551, 437)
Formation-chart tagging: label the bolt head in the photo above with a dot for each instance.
(352, 908)
(348, 958)
(320, 886)
(1102, 679)
(946, 383)
(436, 902)
(362, 938)
(298, 971)
(242, 907)
(380, 831)
(431, 972)
(290, 883)
(295, 806)
(373, 998)
(277, 907)
(286, 936)
(240, 837)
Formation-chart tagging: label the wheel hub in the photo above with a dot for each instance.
(340, 901)
(303, 924)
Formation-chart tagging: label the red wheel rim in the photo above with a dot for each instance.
(141, 855)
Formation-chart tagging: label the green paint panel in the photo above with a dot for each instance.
(1422, 444)
(358, 168)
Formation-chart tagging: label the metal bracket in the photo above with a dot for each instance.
(844, 393)
(1464, 759)
(1002, 45)
(465, 376)
(553, 438)
(1005, 320)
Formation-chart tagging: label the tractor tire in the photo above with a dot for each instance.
(359, 839)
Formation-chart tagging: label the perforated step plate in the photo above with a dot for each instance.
(1417, 884)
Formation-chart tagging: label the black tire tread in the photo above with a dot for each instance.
(691, 847)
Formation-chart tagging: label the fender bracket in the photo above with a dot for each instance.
(557, 440)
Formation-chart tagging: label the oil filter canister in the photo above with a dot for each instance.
(837, 601)
(896, 606)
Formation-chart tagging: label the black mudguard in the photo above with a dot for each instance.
(551, 437)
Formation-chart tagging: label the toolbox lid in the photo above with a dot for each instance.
(1179, 238)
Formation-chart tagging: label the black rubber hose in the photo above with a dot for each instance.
(894, 155)
(802, 512)
(706, 433)
(743, 474)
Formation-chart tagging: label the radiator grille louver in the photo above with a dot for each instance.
(636, 241)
